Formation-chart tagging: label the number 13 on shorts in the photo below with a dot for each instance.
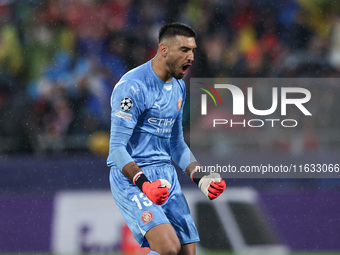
(141, 199)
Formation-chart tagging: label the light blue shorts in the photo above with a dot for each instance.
(141, 214)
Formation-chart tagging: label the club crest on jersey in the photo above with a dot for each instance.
(126, 104)
(179, 103)
(147, 216)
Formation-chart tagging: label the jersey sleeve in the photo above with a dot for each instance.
(127, 104)
(180, 152)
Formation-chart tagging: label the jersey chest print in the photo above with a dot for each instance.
(162, 115)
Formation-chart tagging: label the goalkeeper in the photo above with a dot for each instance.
(146, 133)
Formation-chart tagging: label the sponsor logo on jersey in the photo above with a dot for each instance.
(161, 122)
(179, 103)
(126, 104)
(164, 125)
(147, 216)
(163, 130)
(123, 115)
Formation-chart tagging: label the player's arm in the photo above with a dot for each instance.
(157, 191)
(121, 132)
(211, 185)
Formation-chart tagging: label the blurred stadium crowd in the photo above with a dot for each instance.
(59, 59)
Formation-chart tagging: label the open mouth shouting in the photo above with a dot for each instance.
(185, 67)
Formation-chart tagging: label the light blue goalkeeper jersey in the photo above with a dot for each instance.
(150, 109)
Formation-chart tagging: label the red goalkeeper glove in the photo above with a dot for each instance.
(157, 191)
(211, 185)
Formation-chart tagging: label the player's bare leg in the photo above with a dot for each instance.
(163, 239)
(188, 249)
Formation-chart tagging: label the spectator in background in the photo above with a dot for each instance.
(11, 56)
(53, 46)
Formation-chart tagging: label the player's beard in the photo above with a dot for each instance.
(174, 69)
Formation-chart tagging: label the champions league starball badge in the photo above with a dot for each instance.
(126, 104)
